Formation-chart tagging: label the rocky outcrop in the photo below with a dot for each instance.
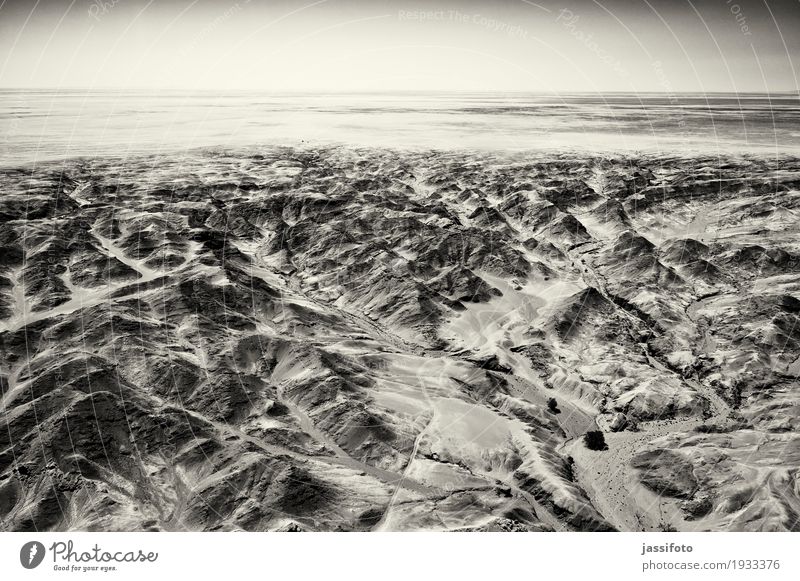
(337, 339)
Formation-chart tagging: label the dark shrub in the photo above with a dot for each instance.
(595, 440)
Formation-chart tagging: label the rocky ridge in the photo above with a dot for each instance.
(342, 339)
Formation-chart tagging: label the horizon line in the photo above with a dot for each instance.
(788, 92)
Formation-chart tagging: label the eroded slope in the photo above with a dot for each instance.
(337, 339)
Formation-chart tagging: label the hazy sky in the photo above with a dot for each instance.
(355, 45)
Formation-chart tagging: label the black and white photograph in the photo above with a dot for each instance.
(398, 266)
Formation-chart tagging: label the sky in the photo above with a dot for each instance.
(669, 46)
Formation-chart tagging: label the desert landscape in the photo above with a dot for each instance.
(336, 338)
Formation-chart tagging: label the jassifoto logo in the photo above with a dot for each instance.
(31, 554)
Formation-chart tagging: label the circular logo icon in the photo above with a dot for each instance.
(31, 554)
